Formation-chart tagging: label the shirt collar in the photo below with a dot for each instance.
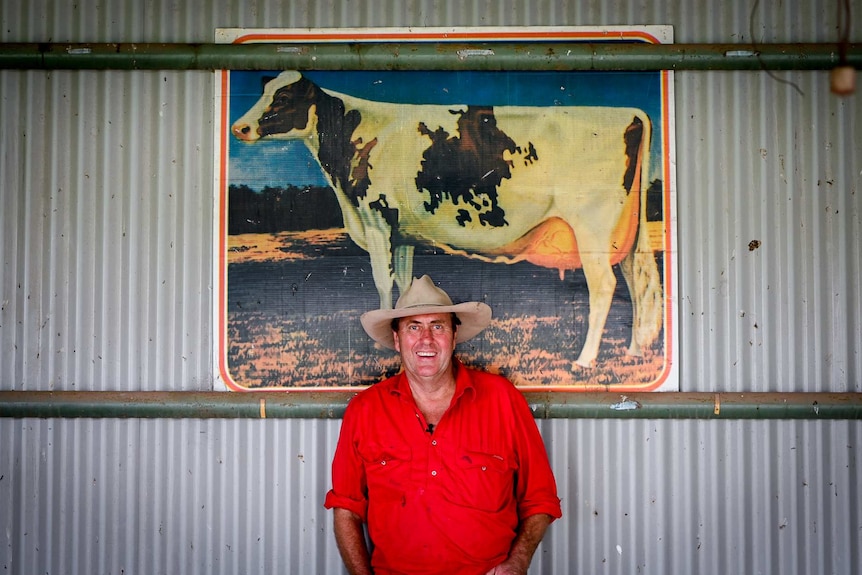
(463, 380)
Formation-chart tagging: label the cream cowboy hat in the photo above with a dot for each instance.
(423, 297)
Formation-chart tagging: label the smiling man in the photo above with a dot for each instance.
(443, 463)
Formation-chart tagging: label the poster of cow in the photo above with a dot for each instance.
(548, 195)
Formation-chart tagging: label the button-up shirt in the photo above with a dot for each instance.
(447, 501)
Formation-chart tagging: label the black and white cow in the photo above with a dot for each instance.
(561, 187)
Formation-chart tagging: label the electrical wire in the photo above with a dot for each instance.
(754, 44)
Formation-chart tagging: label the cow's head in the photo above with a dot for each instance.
(284, 110)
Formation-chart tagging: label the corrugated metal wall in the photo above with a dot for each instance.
(106, 284)
(239, 497)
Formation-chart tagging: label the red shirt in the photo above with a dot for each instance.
(448, 501)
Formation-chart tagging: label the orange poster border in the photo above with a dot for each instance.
(472, 35)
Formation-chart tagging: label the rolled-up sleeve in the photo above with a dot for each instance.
(536, 488)
(349, 489)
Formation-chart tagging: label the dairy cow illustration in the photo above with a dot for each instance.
(560, 187)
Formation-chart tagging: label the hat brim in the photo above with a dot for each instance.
(475, 316)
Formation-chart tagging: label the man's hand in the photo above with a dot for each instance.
(530, 533)
(350, 539)
(506, 568)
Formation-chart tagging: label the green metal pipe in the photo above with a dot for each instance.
(330, 405)
(173, 404)
(692, 405)
(555, 56)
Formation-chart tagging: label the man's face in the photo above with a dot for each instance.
(426, 343)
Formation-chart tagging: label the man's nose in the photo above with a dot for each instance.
(426, 332)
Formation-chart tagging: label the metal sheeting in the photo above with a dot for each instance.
(241, 496)
(105, 284)
(107, 206)
(107, 221)
(165, 497)
(768, 272)
(195, 21)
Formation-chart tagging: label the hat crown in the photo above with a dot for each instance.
(423, 292)
(423, 297)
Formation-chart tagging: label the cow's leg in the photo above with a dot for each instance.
(403, 262)
(379, 249)
(601, 283)
(626, 267)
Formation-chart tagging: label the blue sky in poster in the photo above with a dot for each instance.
(278, 163)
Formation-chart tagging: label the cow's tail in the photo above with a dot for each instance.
(648, 293)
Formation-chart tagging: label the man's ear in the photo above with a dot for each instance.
(395, 340)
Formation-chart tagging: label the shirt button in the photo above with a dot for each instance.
(433, 442)
(483, 467)
(383, 462)
(434, 473)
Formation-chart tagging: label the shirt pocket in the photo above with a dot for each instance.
(386, 468)
(488, 479)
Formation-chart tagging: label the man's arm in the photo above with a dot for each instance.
(529, 536)
(350, 539)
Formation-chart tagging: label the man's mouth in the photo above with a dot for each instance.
(426, 353)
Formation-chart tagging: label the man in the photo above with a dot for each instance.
(444, 463)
